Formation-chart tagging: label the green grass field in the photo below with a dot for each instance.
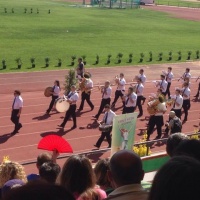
(180, 3)
(89, 31)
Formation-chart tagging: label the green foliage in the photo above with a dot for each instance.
(70, 79)
(47, 60)
(18, 61)
(119, 55)
(73, 57)
(130, 55)
(32, 60)
(141, 55)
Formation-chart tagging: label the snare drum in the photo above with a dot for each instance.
(62, 105)
(105, 128)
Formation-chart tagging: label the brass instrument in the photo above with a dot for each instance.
(152, 106)
(170, 102)
(82, 85)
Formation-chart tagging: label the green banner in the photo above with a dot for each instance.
(123, 132)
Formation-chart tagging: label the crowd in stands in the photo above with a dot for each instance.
(117, 178)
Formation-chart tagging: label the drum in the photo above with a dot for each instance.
(105, 128)
(47, 91)
(62, 105)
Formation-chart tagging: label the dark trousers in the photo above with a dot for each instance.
(102, 106)
(102, 137)
(15, 119)
(159, 122)
(139, 104)
(118, 93)
(128, 110)
(70, 113)
(177, 112)
(186, 106)
(85, 96)
(168, 90)
(52, 103)
(197, 95)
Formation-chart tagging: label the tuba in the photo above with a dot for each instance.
(152, 106)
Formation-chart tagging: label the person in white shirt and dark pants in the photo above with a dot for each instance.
(162, 84)
(72, 98)
(106, 91)
(139, 92)
(130, 101)
(120, 89)
(169, 76)
(178, 103)
(186, 100)
(107, 120)
(143, 78)
(16, 111)
(54, 94)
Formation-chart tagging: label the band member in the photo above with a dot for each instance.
(107, 120)
(120, 88)
(178, 103)
(139, 92)
(54, 95)
(197, 95)
(130, 101)
(186, 100)
(72, 98)
(16, 111)
(169, 76)
(88, 85)
(80, 68)
(142, 76)
(186, 74)
(162, 84)
(157, 119)
(106, 97)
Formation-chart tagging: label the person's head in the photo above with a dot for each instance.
(42, 158)
(162, 77)
(39, 190)
(177, 179)
(17, 93)
(139, 80)
(173, 141)
(172, 114)
(121, 75)
(87, 75)
(11, 170)
(187, 70)
(49, 172)
(189, 148)
(185, 84)
(107, 107)
(130, 90)
(141, 71)
(107, 84)
(177, 92)
(77, 174)
(100, 170)
(80, 60)
(169, 69)
(125, 169)
(161, 99)
(73, 88)
(57, 83)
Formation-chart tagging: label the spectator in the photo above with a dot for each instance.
(173, 141)
(177, 179)
(100, 170)
(126, 174)
(49, 172)
(189, 148)
(78, 177)
(39, 190)
(42, 158)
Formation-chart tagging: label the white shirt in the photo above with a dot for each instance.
(18, 102)
(73, 97)
(163, 85)
(107, 94)
(179, 100)
(89, 83)
(169, 76)
(139, 89)
(142, 77)
(186, 75)
(121, 85)
(128, 103)
(161, 107)
(125, 135)
(186, 91)
(110, 117)
(56, 90)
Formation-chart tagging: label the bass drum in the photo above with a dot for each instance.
(62, 105)
(48, 91)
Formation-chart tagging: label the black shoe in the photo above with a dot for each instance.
(14, 132)
(20, 126)
(157, 137)
(92, 108)
(73, 127)
(96, 146)
(140, 115)
(61, 126)
(196, 96)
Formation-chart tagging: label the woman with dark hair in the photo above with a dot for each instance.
(78, 177)
(55, 94)
(177, 179)
(100, 170)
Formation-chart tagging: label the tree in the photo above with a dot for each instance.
(70, 79)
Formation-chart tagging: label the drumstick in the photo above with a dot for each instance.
(198, 78)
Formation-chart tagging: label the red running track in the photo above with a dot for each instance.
(23, 146)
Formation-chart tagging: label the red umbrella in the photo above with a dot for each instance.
(55, 142)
